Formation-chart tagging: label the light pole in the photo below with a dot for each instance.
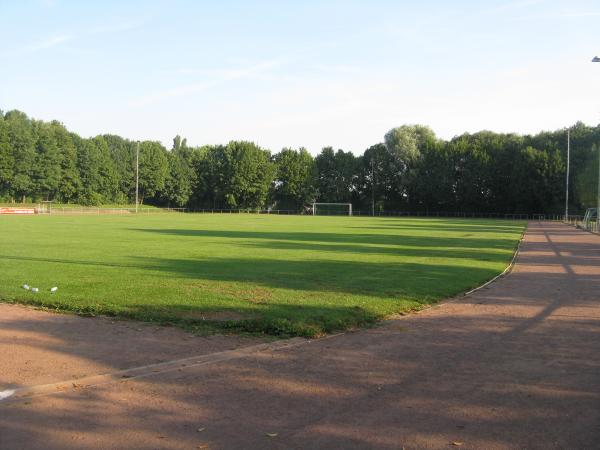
(372, 189)
(596, 59)
(137, 175)
(568, 164)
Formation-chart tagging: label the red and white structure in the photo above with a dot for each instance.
(17, 210)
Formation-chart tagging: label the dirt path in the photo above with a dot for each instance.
(515, 365)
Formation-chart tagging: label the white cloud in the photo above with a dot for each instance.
(220, 76)
(38, 46)
(48, 43)
(338, 68)
(118, 26)
(513, 5)
(559, 16)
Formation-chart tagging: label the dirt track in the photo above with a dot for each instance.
(515, 365)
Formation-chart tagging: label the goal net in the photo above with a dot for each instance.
(332, 209)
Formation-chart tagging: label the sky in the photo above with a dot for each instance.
(300, 73)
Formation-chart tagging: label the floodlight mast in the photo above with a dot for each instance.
(568, 164)
(596, 59)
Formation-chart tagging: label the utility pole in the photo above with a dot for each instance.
(568, 164)
(596, 59)
(137, 175)
(372, 189)
(598, 203)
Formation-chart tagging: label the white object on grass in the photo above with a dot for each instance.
(54, 289)
(34, 289)
(25, 286)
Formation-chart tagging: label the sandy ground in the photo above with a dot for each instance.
(514, 365)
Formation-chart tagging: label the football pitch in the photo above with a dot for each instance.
(278, 275)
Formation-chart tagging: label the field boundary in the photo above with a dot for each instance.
(458, 297)
(18, 394)
(506, 271)
(71, 209)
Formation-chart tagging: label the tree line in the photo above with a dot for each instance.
(410, 170)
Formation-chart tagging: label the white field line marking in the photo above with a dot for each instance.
(13, 395)
(508, 269)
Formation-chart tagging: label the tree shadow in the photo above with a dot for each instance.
(371, 279)
(363, 238)
(415, 252)
(447, 225)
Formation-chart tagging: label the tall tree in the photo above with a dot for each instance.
(6, 159)
(238, 175)
(22, 142)
(70, 183)
(122, 152)
(179, 180)
(337, 175)
(46, 172)
(295, 179)
(153, 170)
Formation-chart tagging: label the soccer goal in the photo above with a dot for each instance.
(332, 209)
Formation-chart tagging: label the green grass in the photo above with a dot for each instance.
(279, 275)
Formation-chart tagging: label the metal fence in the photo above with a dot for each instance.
(581, 222)
(96, 211)
(575, 220)
(356, 213)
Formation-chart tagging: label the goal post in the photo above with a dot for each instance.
(332, 209)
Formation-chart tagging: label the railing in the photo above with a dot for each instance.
(575, 220)
(582, 223)
(456, 214)
(92, 210)
(359, 213)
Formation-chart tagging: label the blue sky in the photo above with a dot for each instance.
(303, 73)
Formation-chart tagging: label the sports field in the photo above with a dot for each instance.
(279, 275)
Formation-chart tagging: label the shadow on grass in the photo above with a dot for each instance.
(306, 297)
(372, 279)
(303, 297)
(369, 239)
(408, 252)
(441, 225)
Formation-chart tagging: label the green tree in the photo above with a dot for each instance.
(22, 142)
(295, 179)
(122, 153)
(153, 169)
(378, 182)
(70, 182)
(251, 174)
(337, 175)
(238, 175)
(179, 180)
(99, 177)
(46, 172)
(6, 159)
(405, 145)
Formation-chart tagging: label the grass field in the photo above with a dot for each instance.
(280, 275)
